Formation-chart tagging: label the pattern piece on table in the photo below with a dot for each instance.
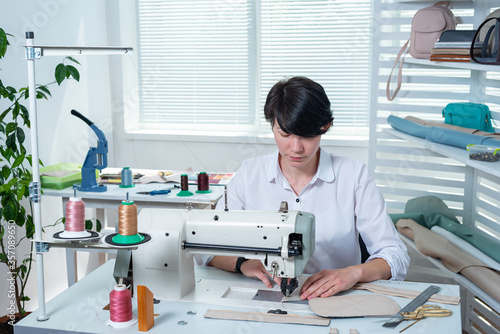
(406, 293)
(353, 306)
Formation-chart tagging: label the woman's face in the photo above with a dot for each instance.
(296, 151)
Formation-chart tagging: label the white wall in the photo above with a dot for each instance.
(101, 95)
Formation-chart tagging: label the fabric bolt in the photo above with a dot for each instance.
(440, 135)
(453, 258)
(431, 211)
(464, 245)
(344, 200)
(452, 127)
(353, 306)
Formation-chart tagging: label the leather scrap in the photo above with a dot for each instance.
(267, 317)
(452, 257)
(353, 306)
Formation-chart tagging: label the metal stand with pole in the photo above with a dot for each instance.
(32, 53)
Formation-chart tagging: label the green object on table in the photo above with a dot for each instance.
(61, 175)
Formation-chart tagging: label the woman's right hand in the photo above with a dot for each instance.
(255, 268)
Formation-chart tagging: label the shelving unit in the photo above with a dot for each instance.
(406, 167)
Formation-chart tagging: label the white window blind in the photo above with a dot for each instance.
(210, 64)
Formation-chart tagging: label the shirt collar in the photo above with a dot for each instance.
(324, 172)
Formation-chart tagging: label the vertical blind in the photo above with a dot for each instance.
(211, 63)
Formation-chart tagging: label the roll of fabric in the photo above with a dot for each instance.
(457, 138)
(431, 211)
(439, 134)
(464, 245)
(452, 257)
(407, 126)
(452, 127)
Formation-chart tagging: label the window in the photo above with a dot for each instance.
(206, 64)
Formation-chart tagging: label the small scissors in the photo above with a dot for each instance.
(425, 311)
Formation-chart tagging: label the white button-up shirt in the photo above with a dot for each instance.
(344, 200)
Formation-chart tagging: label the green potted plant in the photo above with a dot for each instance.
(15, 176)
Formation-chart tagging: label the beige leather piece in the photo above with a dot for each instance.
(452, 127)
(267, 317)
(353, 306)
(353, 331)
(334, 331)
(452, 257)
(406, 293)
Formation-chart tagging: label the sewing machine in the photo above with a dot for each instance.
(283, 240)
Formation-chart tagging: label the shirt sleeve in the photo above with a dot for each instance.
(376, 227)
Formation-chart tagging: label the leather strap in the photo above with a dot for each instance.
(400, 72)
(239, 262)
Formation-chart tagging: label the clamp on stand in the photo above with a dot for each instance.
(97, 158)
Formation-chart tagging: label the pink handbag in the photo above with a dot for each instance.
(426, 27)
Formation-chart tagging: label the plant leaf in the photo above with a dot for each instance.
(45, 90)
(5, 172)
(10, 127)
(3, 43)
(74, 72)
(20, 191)
(30, 228)
(6, 111)
(20, 135)
(73, 60)
(19, 160)
(25, 115)
(60, 73)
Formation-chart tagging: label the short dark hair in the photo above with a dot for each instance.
(300, 106)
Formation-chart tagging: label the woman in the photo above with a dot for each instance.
(337, 190)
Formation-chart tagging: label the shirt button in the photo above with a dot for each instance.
(297, 200)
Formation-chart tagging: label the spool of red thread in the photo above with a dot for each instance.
(203, 183)
(120, 307)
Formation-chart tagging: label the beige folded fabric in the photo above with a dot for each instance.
(353, 306)
(452, 127)
(452, 257)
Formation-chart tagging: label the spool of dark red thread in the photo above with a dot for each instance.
(184, 186)
(203, 184)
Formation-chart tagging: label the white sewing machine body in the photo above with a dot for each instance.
(282, 240)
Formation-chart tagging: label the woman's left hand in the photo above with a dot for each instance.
(326, 283)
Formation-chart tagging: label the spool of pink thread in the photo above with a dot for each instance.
(75, 219)
(120, 307)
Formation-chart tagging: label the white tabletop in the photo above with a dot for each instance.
(115, 194)
(79, 310)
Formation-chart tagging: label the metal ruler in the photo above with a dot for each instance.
(412, 306)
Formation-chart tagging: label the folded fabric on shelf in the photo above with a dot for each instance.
(452, 257)
(431, 211)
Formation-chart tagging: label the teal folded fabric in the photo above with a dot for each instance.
(431, 211)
